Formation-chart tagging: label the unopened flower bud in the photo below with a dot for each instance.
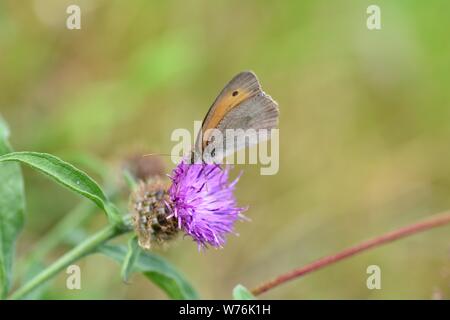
(144, 167)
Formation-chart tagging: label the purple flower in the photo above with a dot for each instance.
(203, 202)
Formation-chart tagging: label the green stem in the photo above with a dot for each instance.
(78, 216)
(57, 234)
(84, 248)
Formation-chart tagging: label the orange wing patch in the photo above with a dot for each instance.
(222, 107)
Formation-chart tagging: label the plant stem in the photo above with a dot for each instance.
(435, 221)
(84, 248)
(58, 233)
(76, 217)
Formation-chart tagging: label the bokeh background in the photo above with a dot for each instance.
(364, 131)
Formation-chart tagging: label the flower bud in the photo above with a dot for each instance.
(144, 167)
(152, 218)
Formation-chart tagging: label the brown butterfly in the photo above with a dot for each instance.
(240, 105)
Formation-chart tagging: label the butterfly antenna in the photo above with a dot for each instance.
(161, 154)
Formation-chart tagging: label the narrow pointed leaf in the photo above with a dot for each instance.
(130, 259)
(12, 211)
(67, 175)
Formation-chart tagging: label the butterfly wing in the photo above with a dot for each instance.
(258, 112)
(241, 105)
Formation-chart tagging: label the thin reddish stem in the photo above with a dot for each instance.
(433, 222)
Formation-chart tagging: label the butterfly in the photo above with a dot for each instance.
(242, 104)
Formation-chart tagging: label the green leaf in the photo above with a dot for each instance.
(67, 175)
(12, 211)
(242, 293)
(158, 270)
(130, 259)
(89, 163)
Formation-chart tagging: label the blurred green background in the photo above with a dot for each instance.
(364, 130)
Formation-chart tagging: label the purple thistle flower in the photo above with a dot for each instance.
(203, 202)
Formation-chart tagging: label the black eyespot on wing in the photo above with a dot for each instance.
(235, 93)
(247, 120)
